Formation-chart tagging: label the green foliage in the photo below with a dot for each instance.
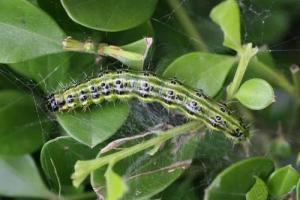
(235, 182)
(58, 157)
(116, 187)
(21, 139)
(256, 94)
(23, 25)
(282, 181)
(227, 16)
(106, 16)
(20, 178)
(201, 70)
(92, 128)
(119, 144)
(159, 170)
(258, 191)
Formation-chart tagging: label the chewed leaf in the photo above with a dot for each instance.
(116, 186)
(227, 16)
(112, 15)
(256, 94)
(199, 70)
(26, 32)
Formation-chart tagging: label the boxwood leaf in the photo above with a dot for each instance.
(58, 157)
(282, 181)
(94, 126)
(116, 186)
(21, 127)
(259, 191)
(20, 178)
(199, 70)
(227, 16)
(256, 94)
(235, 181)
(111, 16)
(26, 32)
(48, 71)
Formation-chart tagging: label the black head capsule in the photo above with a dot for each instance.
(52, 105)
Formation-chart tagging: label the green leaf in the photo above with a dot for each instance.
(227, 16)
(116, 186)
(26, 32)
(181, 190)
(48, 71)
(19, 133)
(151, 174)
(259, 191)
(140, 47)
(235, 181)
(58, 157)
(298, 190)
(95, 126)
(20, 178)
(55, 9)
(111, 16)
(199, 70)
(282, 181)
(255, 94)
(132, 55)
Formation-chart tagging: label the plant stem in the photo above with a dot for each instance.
(84, 168)
(246, 53)
(295, 70)
(187, 25)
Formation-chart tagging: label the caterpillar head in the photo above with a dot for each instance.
(239, 132)
(51, 103)
(54, 104)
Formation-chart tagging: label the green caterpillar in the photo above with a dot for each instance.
(124, 85)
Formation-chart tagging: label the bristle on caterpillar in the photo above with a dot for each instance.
(112, 85)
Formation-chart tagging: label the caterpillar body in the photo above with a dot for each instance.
(147, 87)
